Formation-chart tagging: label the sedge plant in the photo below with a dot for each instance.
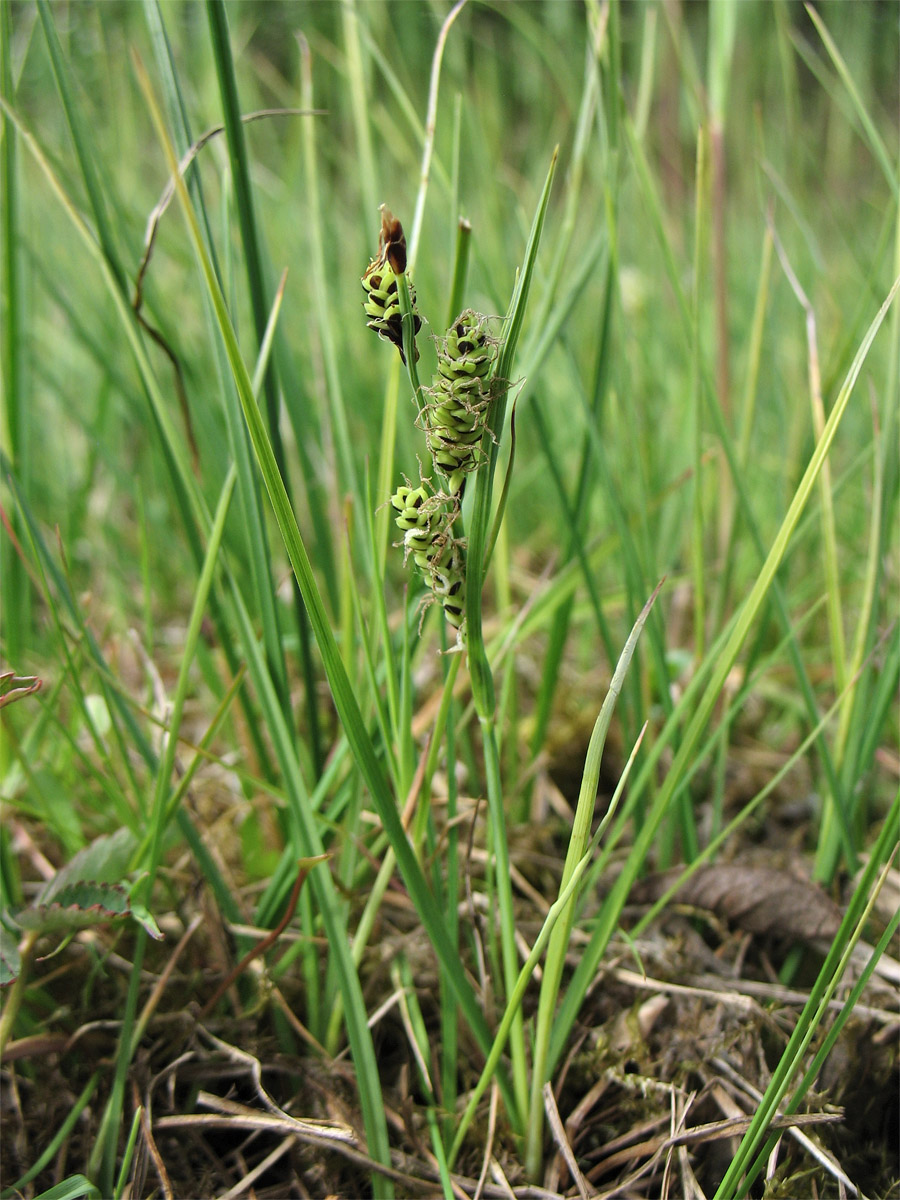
(462, 414)
(713, 434)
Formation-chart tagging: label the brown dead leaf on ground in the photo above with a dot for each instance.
(761, 900)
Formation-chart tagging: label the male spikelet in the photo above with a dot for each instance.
(382, 303)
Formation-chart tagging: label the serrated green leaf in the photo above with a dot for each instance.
(103, 861)
(106, 861)
(76, 907)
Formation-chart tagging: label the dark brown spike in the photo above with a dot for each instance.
(392, 242)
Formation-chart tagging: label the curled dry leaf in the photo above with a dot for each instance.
(759, 899)
(14, 687)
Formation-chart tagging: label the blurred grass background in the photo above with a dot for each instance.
(519, 71)
(651, 297)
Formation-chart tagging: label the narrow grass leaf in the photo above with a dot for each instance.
(739, 482)
(740, 1175)
(71, 1189)
(577, 848)
(17, 437)
(722, 666)
(482, 686)
(341, 688)
(873, 137)
(97, 187)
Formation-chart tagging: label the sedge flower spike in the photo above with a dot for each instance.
(454, 417)
(460, 398)
(382, 303)
(426, 522)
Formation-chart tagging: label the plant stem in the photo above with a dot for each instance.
(497, 817)
(14, 1001)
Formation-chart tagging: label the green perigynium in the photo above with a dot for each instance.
(426, 520)
(448, 582)
(459, 399)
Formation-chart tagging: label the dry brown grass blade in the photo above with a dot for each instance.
(489, 1144)
(710, 1132)
(562, 1142)
(267, 941)
(159, 1166)
(331, 1136)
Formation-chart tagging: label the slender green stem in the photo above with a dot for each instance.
(409, 339)
(698, 556)
(321, 278)
(434, 750)
(17, 991)
(460, 269)
(105, 1151)
(503, 883)
(559, 943)
(16, 434)
(128, 1154)
(53, 1147)
(480, 674)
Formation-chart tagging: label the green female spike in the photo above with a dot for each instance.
(460, 398)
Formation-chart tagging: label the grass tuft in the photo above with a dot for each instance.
(319, 871)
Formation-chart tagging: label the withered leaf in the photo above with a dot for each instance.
(759, 899)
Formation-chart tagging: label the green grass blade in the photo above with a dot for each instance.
(177, 108)
(63, 596)
(341, 688)
(328, 904)
(97, 188)
(132, 1031)
(430, 126)
(320, 286)
(257, 536)
(161, 805)
(721, 838)
(740, 1174)
(516, 996)
(16, 435)
(698, 555)
(189, 502)
(559, 940)
(356, 77)
(72, 1188)
(58, 1140)
(482, 686)
(873, 137)
(651, 198)
(722, 665)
